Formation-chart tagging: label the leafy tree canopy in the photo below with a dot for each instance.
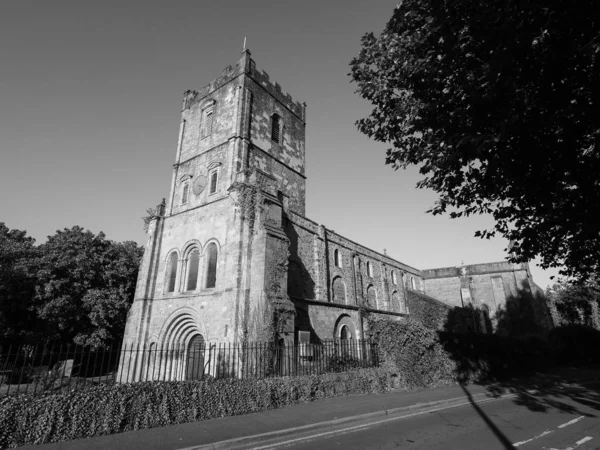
(17, 286)
(498, 104)
(85, 285)
(575, 303)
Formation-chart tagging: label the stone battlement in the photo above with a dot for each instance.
(191, 97)
(273, 88)
(248, 66)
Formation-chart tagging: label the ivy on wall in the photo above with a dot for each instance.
(430, 312)
(265, 320)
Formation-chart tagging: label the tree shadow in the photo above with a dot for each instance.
(545, 370)
(570, 393)
(302, 322)
(524, 313)
(491, 425)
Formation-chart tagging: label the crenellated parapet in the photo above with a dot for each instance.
(273, 88)
(248, 66)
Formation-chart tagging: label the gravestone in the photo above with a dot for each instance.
(64, 368)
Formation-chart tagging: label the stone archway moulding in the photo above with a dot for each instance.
(181, 325)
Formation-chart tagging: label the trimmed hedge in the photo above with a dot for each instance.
(413, 356)
(102, 410)
(423, 357)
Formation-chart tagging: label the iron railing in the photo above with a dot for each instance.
(33, 369)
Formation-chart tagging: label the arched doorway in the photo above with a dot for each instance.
(195, 358)
(346, 340)
(345, 334)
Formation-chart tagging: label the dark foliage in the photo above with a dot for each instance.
(502, 123)
(18, 323)
(102, 410)
(575, 344)
(424, 357)
(429, 311)
(575, 302)
(75, 288)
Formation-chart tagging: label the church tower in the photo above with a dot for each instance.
(215, 264)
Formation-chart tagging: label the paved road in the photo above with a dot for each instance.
(561, 420)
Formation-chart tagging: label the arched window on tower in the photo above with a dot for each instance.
(214, 176)
(211, 265)
(185, 192)
(275, 128)
(207, 121)
(171, 272)
(337, 258)
(394, 279)
(369, 269)
(192, 270)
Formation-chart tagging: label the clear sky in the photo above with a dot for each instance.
(90, 99)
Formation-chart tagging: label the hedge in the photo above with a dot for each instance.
(423, 357)
(108, 409)
(413, 356)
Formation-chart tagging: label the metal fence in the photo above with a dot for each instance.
(35, 369)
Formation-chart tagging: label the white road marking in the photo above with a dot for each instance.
(577, 444)
(571, 422)
(371, 424)
(516, 444)
(585, 439)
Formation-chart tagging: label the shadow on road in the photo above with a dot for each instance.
(492, 426)
(569, 390)
(563, 390)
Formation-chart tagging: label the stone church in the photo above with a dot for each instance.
(231, 247)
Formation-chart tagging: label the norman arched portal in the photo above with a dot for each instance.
(195, 358)
(183, 345)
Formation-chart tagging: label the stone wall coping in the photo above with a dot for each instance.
(342, 306)
(473, 269)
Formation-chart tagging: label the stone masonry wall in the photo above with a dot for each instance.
(506, 290)
(283, 160)
(313, 250)
(490, 284)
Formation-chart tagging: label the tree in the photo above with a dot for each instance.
(18, 323)
(574, 303)
(498, 104)
(85, 285)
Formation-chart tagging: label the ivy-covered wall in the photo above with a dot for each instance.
(429, 311)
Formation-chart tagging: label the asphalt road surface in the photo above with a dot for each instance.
(568, 419)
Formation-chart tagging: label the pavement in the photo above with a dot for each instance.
(266, 429)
